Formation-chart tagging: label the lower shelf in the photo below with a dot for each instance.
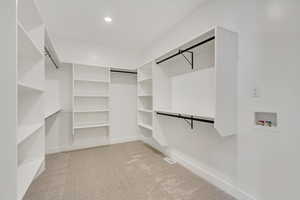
(49, 113)
(145, 126)
(26, 174)
(83, 126)
(26, 131)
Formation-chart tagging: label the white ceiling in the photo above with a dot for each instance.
(136, 23)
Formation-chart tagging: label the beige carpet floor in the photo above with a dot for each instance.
(129, 171)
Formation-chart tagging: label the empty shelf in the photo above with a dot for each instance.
(145, 110)
(52, 112)
(145, 80)
(26, 131)
(95, 96)
(145, 95)
(26, 173)
(145, 126)
(23, 88)
(92, 80)
(83, 126)
(90, 111)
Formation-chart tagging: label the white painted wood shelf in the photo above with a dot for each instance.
(26, 173)
(145, 110)
(31, 87)
(52, 112)
(23, 88)
(145, 126)
(25, 131)
(85, 126)
(145, 101)
(93, 80)
(91, 111)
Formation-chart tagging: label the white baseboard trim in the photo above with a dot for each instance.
(87, 146)
(123, 140)
(209, 176)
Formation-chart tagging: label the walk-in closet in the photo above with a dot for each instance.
(149, 100)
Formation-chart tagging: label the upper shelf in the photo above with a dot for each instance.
(29, 15)
(28, 53)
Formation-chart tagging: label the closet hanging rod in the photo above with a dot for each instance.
(186, 50)
(47, 53)
(191, 118)
(121, 71)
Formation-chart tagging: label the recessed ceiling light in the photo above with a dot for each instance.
(108, 19)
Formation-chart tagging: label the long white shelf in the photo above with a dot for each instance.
(92, 80)
(27, 47)
(145, 95)
(145, 80)
(84, 126)
(145, 126)
(96, 96)
(25, 131)
(24, 87)
(49, 113)
(26, 173)
(90, 111)
(145, 110)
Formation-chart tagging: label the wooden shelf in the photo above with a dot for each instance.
(24, 87)
(145, 126)
(84, 126)
(26, 173)
(25, 131)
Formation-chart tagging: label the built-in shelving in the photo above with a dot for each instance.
(26, 131)
(145, 99)
(24, 88)
(84, 126)
(145, 126)
(199, 79)
(90, 98)
(31, 88)
(145, 110)
(90, 111)
(26, 174)
(91, 80)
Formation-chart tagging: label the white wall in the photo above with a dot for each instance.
(123, 107)
(265, 164)
(8, 106)
(70, 51)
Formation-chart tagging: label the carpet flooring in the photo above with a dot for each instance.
(128, 171)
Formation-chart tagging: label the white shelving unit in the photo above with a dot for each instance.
(31, 84)
(145, 99)
(90, 99)
(205, 87)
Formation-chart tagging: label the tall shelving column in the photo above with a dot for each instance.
(90, 98)
(145, 100)
(30, 108)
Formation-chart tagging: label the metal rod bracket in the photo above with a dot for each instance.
(191, 62)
